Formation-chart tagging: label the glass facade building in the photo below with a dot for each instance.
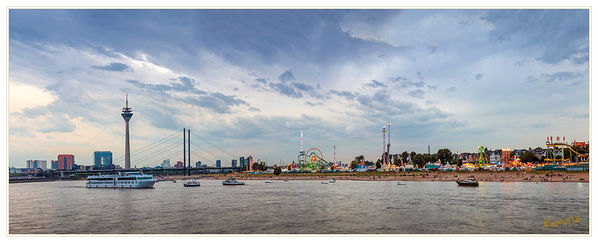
(102, 159)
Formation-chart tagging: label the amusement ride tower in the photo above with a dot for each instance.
(127, 114)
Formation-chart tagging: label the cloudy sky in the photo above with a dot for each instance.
(249, 81)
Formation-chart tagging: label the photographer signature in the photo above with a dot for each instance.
(556, 223)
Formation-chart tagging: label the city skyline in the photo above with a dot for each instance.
(251, 80)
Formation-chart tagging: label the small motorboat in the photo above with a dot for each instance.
(324, 182)
(468, 182)
(332, 180)
(232, 182)
(192, 183)
(400, 183)
(269, 181)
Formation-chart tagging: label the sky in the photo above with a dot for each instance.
(250, 81)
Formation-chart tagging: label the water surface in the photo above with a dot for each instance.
(298, 207)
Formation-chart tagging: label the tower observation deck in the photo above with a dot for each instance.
(127, 114)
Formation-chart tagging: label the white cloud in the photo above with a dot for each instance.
(23, 96)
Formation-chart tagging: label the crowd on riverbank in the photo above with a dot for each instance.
(535, 176)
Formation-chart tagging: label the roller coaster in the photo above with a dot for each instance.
(561, 146)
(312, 159)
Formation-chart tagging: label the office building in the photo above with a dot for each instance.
(166, 163)
(36, 164)
(178, 165)
(233, 163)
(66, 161)
(242, 162)
(102, 159)
(54, 164)
(197, 164)
(218, 163)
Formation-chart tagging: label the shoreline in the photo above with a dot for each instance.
(482, 176)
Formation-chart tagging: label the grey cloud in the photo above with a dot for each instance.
(562, 76)
(348, 95)
(451, 89)
(406, 83)
(185, 84)
(418, 93)
(261, 80)
(215, 101)
(375, 84)
(114, 66)
(286, 89)
(557, 34)
(314, 104)
(478, 76)
(286, 76)
(302, 86)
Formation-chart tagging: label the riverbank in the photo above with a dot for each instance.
(502, 176)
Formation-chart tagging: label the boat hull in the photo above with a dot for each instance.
(470, 184)
(233, 184)
(138, 185)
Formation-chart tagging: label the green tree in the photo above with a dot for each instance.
(445, 155)
(412, 154)
(378, 164)
(353, 164)
(396, 161)
(256, 166)
(358, 158)
(528, 156)
(277, 170)
(404, 156)
(419, 160)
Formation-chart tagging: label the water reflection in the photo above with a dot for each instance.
(306, 207)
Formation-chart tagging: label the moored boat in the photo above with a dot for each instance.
(232, 182)
(121, 180)
(269, 181)
(468, 182)
(192, 183)
(332, 180)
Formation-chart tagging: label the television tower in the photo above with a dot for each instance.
(127, 114)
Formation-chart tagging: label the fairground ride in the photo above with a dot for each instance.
(312, 159)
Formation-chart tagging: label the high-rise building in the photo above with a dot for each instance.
(127, 114)
(37, 164)
(166, 163)
(66, 161)
(178, 165)
(197, 164)
(102, 159)
(233, 163)
(242, 162)
(54, 164)
(218, 163)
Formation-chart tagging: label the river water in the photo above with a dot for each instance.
(299, 207)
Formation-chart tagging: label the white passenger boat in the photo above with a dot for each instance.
(121, 180)
(269, 181)
(332, 180)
